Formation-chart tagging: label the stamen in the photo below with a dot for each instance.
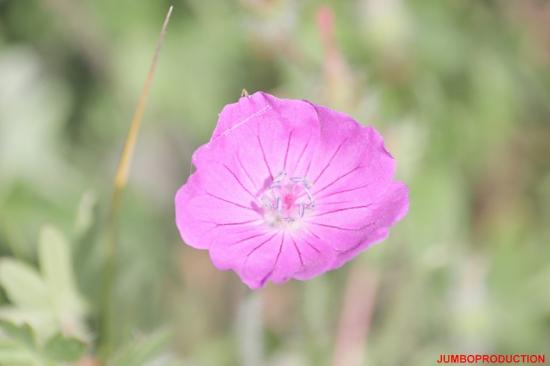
(287, 200)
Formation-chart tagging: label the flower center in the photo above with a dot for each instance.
(286, 200)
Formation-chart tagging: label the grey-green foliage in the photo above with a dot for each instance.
(18, 346)
(142, 350)
(45, 322)
(47, 298)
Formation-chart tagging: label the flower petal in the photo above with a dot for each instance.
(202, 216)
(351, 231)
(266, 144)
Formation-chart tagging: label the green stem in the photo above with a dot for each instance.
(109, 276)
(249, 330)
(121, 180)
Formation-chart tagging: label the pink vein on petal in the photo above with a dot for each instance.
(263, 155)
(302, 154)
(333, 203)
(298, 251)
(343, 209)
(250, 237)
(276, 261)
(341, 228)
(312, 233)
(239, 181)
(287, 148)
(345, 190)
(308, 167)
(244, 169)
(259, 246)
(330, 161)
(361, 242)
(228, 201)
(312, 246)
(337, 179)
(232, 223)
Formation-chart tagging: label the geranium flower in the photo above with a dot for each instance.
(288, 189)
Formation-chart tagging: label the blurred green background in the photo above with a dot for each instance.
(460, 90)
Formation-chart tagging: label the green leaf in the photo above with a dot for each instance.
(55, 260)
(85, 214)
(57, 269)
(23, 284)
(63, 349)
(56, 265)
(22, 334)
(142, 350)
(42, 321)
(13, 353)
(20, 346)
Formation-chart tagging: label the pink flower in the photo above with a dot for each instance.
(288, 189)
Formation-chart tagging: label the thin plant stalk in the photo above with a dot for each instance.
(249, 329)
(120, 182)
(355, 318)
